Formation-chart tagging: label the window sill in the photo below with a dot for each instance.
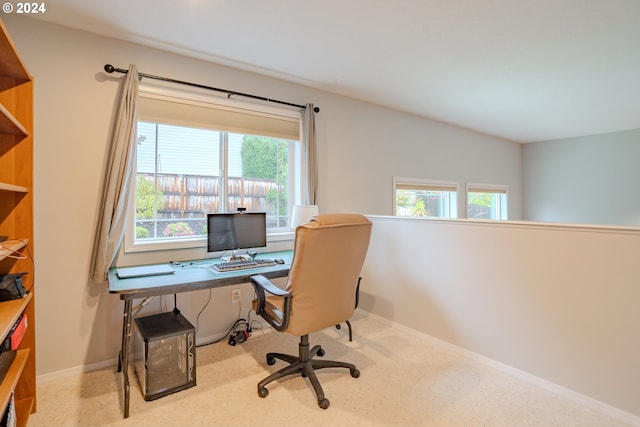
(196, 243)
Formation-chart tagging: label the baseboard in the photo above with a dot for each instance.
(78, 370)
(557, 389)
(258, 331)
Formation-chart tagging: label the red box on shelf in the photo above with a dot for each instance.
(18, 332)
(14, 338)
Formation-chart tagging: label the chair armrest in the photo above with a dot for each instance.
(262, 286)
(268, 285)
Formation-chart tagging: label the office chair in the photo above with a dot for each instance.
(328, 255)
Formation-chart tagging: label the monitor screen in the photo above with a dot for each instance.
(231, 231)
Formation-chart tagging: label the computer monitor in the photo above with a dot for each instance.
(232, 231)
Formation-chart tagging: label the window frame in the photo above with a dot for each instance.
(297, 165)
(474, 187)
(437, 185)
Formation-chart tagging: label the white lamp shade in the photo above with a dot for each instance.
(302, 214)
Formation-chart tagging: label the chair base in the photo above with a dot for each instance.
(305, 365)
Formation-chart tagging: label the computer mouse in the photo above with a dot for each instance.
(279, 261)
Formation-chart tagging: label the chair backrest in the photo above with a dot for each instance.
(327, 261)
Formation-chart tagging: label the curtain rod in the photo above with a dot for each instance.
(110, 69)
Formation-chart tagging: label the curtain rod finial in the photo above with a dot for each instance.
(109, 68)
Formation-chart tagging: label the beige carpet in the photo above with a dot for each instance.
(405, 381)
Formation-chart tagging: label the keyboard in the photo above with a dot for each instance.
(242, 265)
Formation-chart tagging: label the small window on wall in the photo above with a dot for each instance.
(416, 197)
(486, 201)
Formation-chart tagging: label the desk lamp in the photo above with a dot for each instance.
(302, 214)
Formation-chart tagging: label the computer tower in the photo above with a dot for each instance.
(165, 354)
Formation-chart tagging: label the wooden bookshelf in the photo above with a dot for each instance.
(16, 222)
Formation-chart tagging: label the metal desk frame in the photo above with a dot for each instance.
(188, 276)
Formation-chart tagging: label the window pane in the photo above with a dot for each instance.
(258, 176)
(487, 205)
(177, 180)
(423, 202)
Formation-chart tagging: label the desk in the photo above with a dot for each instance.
(188, 276)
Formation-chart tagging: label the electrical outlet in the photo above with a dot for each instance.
(235, 295)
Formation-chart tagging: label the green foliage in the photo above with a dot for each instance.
(403, 198)
(419, 209)
(267, 158)
(481, 199)
(148, 198)
(264, 157)
(276, 202)
(142, 233)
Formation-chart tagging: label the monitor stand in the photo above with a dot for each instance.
(234, 257)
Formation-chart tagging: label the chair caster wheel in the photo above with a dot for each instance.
(320, 352)
(263, 392)
(323, 403)
(355, 373)
(271, 360)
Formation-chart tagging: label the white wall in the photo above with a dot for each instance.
(361, 146)
(591, 179)
(367, 146)
(558, 302)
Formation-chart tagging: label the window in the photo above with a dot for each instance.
(197, 156)
(486, 201)
(416, 197)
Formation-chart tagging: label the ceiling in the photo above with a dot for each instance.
(524, 70)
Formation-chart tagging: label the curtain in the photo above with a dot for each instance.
(119, 172)
(309, 135)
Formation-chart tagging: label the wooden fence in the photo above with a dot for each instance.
(189, 198)
(187, 195)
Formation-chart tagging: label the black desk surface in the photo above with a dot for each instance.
(194, 275)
